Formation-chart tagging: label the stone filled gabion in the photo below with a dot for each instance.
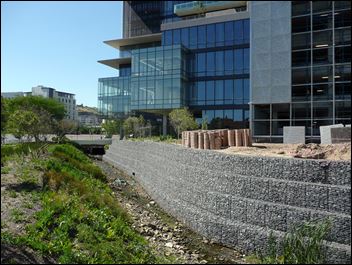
(239, 200)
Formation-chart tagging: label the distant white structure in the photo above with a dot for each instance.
(67, 99)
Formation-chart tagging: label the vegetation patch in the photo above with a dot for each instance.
(80, 221)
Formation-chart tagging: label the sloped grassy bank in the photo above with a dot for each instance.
(80, 222)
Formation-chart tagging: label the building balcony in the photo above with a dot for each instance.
(197, 7)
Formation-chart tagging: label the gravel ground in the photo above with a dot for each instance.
(166, 235)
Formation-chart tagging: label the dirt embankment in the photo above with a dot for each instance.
(307, 151)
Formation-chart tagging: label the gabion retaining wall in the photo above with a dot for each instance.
(238, 200)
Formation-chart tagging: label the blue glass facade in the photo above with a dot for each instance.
(217, 70)
(205, 68)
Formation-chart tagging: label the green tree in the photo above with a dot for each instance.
(4, 114)
(132, 125)
(112, 127)
(181, 120)
(64, 127)
(34, 116)
(28, 123)
(34, 103)
(205, 124)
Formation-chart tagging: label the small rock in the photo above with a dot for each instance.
(152, 202)
(169, 245)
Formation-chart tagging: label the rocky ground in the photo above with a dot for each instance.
(20, 200)
(165, 234)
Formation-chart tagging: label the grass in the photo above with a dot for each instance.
(17, 216)
(161, 138)
(80, 221)
(303, 245)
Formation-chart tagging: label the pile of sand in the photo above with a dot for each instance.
(307, 151)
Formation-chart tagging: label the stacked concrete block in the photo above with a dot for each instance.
(340, 135)
(200, 140)
(239, 201)
(231, 137)
(216, 139)
(238, 138)
(294, 134)
(194, 139)
(325, 133)
(206, 141)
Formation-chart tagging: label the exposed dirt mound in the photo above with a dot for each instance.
(316, 151)
(308, 151)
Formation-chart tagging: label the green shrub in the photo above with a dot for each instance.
(302, 245)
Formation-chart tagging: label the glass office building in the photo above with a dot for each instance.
(235, 64)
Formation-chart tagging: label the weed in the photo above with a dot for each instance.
(5, 170)
(13, 194)
(17, 215)
(302, 245)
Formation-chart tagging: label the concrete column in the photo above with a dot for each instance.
(164, 124)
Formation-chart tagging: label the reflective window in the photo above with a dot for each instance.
(239, 32)
(301, 24)
(343, 109)
(301, 58)
(185, 37)
(277, 127)
(322, 74)
(261, 128)
(228, 114)
(343, 54)
(201, 64)
(280, 111)
(167, 37)
(246, 30)
(301, 76)
(229, 62)
(201, 36)
(219, 60)
(229, 36)
(210, 35)
(220, 35)
(322, 56)
(301, 93)
(245, 91)
(342, 5)
(176, 36)
(210, 63)
(322, 92)
(322, 110)
(343, 19)
(246, 61)
(201, 92)
(300, 8)
(322, 39)
(238, 115)
(262, 112)
(239, 61)
(343, 91)
(301, 111)
(193, 38)
(321, 6)
(229, 95)
(343, 36)
(239, 90)
(323, 21)
(219, 92)
(210, 92)
(301, 41)
(343, 72)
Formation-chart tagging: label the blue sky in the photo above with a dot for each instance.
(58, 44)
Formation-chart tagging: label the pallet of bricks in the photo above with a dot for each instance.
(216, 139)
